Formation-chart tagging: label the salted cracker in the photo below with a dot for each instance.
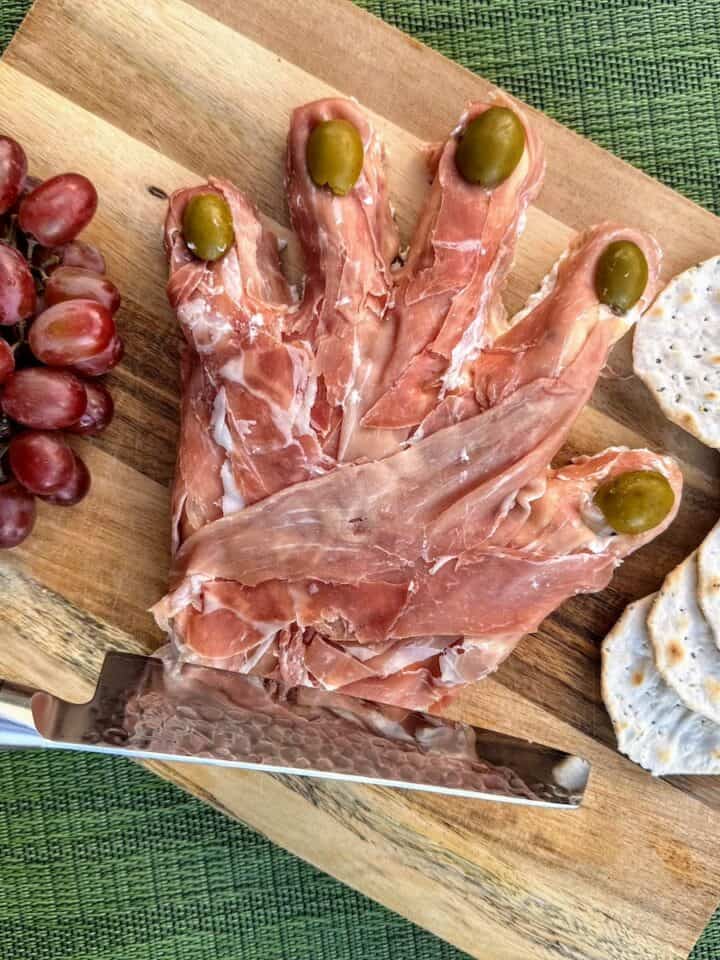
(676, 351)
(709, 580)
(653, 726)
(683, 643)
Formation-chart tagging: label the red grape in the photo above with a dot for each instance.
(98, 413)
(70, 332)
(75, 489)
(110, 357)
(44, 399)
(56, 211)
(7, 360)
(74, 283)
(41, 462)
(17, 513)
(17, 288)
(77, 253)
(13, 167)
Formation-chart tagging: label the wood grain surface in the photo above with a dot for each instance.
(142, 94)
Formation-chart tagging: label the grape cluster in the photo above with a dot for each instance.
(57, 333)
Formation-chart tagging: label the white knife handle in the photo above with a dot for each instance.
(17, 727)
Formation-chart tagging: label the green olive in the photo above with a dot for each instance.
(621, 275)
(208, 226)
(491, 147)
(636, 501)
(335, 155)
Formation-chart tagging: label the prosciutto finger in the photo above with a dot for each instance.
(248, 388)
(447, 302)
(349, 244)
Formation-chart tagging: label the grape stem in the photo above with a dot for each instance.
(21, 330)
(10, 235)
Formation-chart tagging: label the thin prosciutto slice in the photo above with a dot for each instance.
(447, 303)
(550, 331)
(363, 500)
(349, 245)
(248, 389)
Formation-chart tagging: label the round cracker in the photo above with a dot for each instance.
(676, 351)
(653, 726)
(683, 643)
(709, 580)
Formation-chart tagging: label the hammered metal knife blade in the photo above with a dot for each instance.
(149, 709)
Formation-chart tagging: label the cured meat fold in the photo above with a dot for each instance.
(364, 499)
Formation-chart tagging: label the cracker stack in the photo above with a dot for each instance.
(661, 670)
(661, 661)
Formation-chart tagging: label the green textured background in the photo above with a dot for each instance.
(100, 860)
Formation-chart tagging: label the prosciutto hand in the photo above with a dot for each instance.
(364, 499)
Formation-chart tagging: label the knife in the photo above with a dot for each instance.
(148, 708)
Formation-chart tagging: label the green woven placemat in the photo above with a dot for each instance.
(102, 861)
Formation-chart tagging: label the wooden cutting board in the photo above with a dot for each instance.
(145, 94)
